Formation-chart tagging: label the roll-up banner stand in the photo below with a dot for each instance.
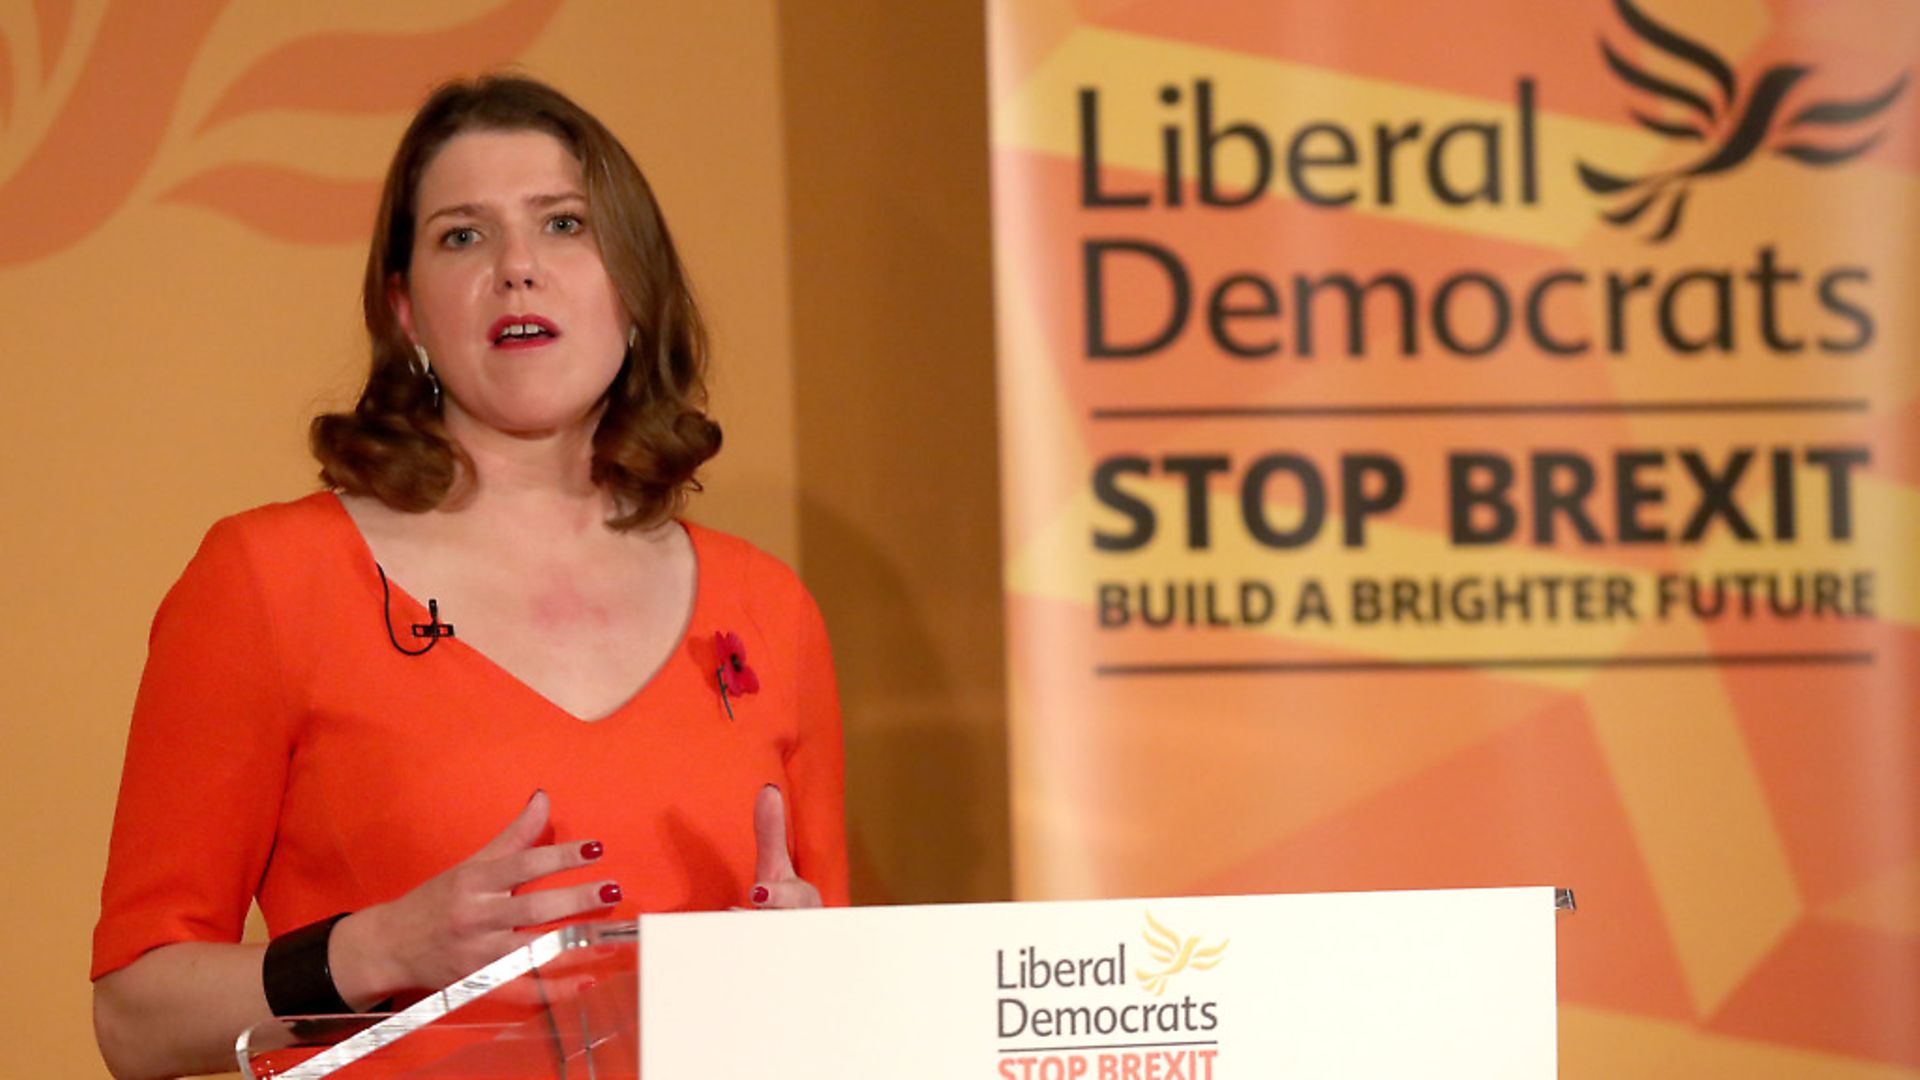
(1472, 444)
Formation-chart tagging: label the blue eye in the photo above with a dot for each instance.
(567, 223)
(459, 236)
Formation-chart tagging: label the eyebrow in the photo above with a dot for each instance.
(538, 202)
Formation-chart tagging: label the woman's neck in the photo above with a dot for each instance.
(540, 482)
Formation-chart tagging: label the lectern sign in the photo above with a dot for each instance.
(1191, 1025)
(1434, 984)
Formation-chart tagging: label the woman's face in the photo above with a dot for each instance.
(507, 290)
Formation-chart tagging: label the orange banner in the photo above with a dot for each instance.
(1471, 444)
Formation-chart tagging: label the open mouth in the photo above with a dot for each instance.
(522, 330)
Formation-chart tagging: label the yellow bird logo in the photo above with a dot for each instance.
(1175, 954)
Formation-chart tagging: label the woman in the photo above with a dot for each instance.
(598, 710)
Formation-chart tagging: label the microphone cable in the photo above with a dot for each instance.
(433, 630)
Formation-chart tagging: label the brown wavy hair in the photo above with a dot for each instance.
(654, 432)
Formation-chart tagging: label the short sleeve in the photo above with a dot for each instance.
(816, 768)
(206, 763)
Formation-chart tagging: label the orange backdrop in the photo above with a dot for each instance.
(1397, 400)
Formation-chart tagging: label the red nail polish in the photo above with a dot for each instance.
(610, 893)
(760, 894)
(591, 850)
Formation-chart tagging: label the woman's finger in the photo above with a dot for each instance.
(513, 870)
(777, 885)
(771, 861)
(785, 895)
(521, 833)
(543, 906)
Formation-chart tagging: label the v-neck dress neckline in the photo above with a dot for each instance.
(406, 607)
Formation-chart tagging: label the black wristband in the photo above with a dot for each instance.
(297, 976)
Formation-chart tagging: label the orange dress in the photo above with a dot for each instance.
(281, 748)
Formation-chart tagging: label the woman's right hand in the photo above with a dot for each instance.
(467, 917)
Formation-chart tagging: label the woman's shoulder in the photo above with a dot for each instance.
(737, 567)
(282, 562)
(282, 527)
(282, 540)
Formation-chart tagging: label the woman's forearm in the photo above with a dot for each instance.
(177, 1009)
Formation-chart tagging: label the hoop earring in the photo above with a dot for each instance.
(424, 365)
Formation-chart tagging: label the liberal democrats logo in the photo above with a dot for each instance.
(1730, 122)
(1174, 954)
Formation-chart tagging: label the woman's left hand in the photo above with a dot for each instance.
(776, 885)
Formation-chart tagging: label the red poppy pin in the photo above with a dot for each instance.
(733, 674)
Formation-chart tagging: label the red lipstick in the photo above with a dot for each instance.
(521, 332)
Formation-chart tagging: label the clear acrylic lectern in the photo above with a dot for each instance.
(564, 1005)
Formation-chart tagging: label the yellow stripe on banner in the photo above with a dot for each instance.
(1701, 821)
